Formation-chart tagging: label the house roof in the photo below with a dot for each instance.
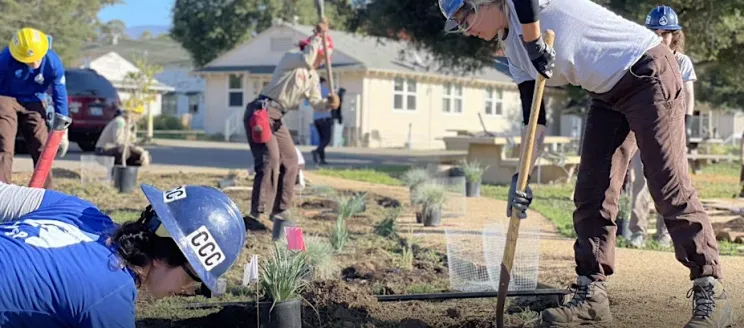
(162, 51)
(115, 68)
(377, 54)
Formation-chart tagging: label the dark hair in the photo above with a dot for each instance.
(138, 246)
(322, 79)
(678, 41)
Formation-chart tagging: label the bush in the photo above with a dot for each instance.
(386, 227)
(162, 122)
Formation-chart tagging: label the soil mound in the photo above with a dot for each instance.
(335, 302)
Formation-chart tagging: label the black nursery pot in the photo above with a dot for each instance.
(432, 218)
(472, 189)
(419, 217)
(284, 314)
(125, 178)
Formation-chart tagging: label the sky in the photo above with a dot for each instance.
(139, 12)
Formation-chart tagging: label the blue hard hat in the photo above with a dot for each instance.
(449, 8)
(663, 18)
(205, 224)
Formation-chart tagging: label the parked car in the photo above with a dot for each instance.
(92, 102)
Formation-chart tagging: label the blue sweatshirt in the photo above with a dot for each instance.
(26, 84)
(55, 266)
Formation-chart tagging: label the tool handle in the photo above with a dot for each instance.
(44, 164)
(525, 162)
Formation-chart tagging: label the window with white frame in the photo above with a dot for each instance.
(494, 102)
(235, 90)
(452, 98)
(404, 94)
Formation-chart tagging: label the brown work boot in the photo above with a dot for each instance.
(710, 305)
(588, 305)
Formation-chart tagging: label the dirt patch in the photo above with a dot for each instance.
(387, 202)
(319, 204)
(337, 302)
(733, 225)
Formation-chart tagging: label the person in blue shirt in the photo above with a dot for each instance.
(64, 263)
(28, 68)
(324, 124)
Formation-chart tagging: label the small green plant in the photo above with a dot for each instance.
(415, 176)
(339, 234)
(473, 170)
(281, 275)
(431, 196)
(405, 261)
(387, 227)
(348, 206)
(320, 258)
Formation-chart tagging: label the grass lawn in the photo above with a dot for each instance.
(554, 201)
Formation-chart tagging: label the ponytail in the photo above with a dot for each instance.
(138, 246)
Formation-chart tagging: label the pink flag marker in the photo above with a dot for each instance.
(295, 240)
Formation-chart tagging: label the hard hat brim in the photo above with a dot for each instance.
(155, 197)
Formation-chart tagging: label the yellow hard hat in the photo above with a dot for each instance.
(138, 109)
(29, 45)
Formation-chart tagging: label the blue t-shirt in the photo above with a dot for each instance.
(55, 269)
(327, 114)
(25, 84)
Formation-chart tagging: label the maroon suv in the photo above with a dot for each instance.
(92, 102)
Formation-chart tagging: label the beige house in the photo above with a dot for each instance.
(395, 97)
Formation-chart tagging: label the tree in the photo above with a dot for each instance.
(713, 28)
(70, 22)
(208, 28)
(113, 28)
(141, 95)
(146, 35)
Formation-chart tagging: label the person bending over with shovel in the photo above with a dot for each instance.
(64, 263)
(638, 102)
(28, 68)
(275, 159)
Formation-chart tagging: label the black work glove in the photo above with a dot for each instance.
(541, 55)
(518, 200)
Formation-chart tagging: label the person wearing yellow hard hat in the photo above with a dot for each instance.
(28, 68)
(114, 138)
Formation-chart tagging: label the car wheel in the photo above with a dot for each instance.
(87, 145)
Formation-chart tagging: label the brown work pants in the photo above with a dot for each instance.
(645, 110)
(275, 163)
(31, 119)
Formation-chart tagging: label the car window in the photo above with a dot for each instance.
(83, 83)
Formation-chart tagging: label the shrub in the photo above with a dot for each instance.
(281, 275)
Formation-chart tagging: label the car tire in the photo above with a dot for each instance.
(87, 145)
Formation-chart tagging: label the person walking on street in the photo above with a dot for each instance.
(274, 154)
(28, 68)
(323, 121)
(664, 22)
(638, 103)
(113, 140)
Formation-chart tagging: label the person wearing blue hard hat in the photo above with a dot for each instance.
(664, 22)
(64, 263)
(637, 103)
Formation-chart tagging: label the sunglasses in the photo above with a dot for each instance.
(191, 273)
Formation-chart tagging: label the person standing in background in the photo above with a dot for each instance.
(662, 20)
(324, 124)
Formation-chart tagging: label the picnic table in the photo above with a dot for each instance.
(501, 154)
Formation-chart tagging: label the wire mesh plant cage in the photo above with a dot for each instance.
(96, 169)
(474, 258)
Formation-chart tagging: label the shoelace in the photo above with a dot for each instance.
(581, 293)
(702, 301)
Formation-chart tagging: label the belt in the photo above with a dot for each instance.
(267, 102)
